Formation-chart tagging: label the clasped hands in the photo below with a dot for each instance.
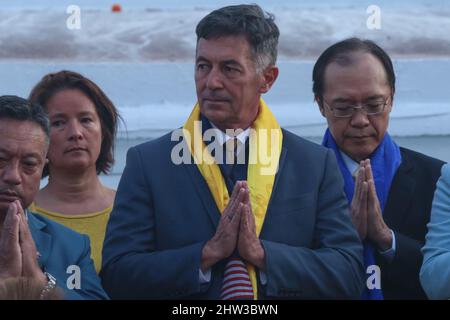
(236, 229)
(18, 254)
(366, 210)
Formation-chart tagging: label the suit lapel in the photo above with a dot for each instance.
(280, 168)
(202, 189)
(42, 239)
(199, 184)
(400, 194)
(275, 184)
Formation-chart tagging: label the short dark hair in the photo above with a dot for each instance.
(248, 20)
(17, 108)
(53, 83)
(341, 52)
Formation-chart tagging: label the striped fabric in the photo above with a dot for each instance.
(236, 281)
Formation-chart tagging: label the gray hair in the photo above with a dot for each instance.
(250, 21)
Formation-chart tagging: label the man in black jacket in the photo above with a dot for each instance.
(389, 189)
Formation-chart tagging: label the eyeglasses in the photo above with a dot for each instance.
(344, 110)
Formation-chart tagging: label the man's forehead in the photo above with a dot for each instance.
(362, 65)
(24, 137)
(225, 47)
(364, 77)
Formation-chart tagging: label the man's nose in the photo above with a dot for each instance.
(359, 118)
(11, 174)
(214, 80)
(75, 131)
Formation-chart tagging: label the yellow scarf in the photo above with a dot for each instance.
(265, 148)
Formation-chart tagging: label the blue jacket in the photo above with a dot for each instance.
(435, 271)
(60, 248)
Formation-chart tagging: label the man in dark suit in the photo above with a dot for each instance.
(198, 219)
(32, 246)
(390, 189)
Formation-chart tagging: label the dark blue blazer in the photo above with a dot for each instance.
(164, 213)
(61, 247)
(407, 213)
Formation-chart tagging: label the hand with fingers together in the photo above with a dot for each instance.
(10, 251)
(18, 254)
(358, 207)
(223, 243)
(377, 230)
(30, 266)
(366, 210)
(249, 245)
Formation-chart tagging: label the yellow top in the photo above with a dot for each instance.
(91, 224)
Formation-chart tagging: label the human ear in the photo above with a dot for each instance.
(269, 77)
(318, 100)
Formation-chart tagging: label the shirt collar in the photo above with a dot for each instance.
(351, 165)
(222, 137)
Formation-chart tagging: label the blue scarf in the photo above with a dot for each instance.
(384, 161)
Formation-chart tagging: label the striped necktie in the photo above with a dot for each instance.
(236, 283)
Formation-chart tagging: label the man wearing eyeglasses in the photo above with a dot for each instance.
(389, 188)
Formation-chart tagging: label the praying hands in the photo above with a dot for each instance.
(18, 254)
(366, 211)
(236, 229)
